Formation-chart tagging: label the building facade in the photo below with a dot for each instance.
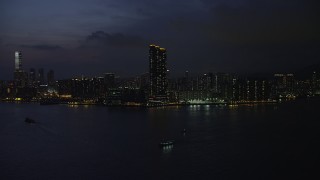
(20, 77)
(158, 72)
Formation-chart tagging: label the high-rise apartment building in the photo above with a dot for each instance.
(41, 76)
(284, 83)
(158, 72)
(109, 80)
(50, 78)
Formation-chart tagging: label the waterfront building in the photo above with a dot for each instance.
(158, 73)
(41, 76)
(50, 78)
(284, 84)
(20, 77)
(109, 80)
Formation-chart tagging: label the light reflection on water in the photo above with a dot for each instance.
(167, 149)
(89, 142)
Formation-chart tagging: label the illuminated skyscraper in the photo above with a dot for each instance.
(18, 60)
(19, 76)
(158, 71)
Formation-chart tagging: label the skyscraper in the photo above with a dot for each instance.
(20, 77)
(32, 77)
(50, 77)
(109, 80)
(158, 72)
(41, 76)
(18, 60)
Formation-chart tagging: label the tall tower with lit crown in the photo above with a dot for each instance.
(20, 77)
(18, 60)
(158, 72)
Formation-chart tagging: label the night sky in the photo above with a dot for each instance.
(90, 37)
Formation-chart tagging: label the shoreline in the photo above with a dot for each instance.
(142, 105)
(221, 104)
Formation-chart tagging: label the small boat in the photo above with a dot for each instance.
(166, 143)
(30, 121)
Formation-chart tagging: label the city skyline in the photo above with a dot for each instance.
(40, 75)
(205, 36)
(155, 88)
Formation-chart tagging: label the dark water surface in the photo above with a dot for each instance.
(246, 142)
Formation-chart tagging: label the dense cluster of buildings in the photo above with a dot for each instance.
(26, 85)
(155, 87)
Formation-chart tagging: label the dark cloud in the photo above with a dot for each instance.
(43, 47)
(200, 35)
(118, 40)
